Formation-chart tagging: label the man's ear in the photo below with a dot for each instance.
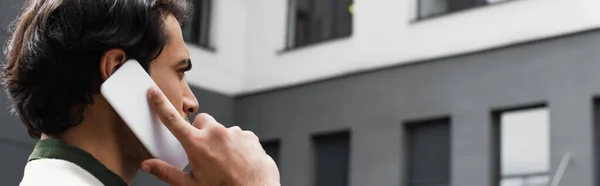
(111, 61)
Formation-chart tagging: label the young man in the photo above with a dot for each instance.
(58, 56)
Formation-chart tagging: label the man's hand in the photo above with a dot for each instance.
(217, 155)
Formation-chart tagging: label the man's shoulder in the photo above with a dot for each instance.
(50, 172)
(53, 159)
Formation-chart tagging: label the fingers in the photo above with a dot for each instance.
(203, 120)
(251, 135)
(209, 127)
(169, 115)
(235, 129)
(165, 172)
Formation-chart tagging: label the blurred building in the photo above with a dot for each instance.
(394, 92)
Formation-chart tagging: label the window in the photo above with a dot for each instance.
(596, 133)
(196, 29)
(432, 8)
(524, 147)
(313, 21)
(428, 157)
(272, 149)
(332, 156)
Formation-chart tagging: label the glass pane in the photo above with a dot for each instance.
(527, 181)
(321, 20)
(332, 159)
(195, 29)
(495, 1)
(525, 147)
(428, 8)
(429, 152)
(198, 15)
(343, 17)
(272, 149)
(302, 22)
(457, 5)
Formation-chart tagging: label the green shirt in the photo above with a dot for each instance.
(57, 149)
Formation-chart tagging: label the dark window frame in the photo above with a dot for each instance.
(596, 137)
(496, 141)
(595, 105)
(276, 142)
(482, 4)
(406, 128)
(292, 42)
(314, 138)
(200, 24)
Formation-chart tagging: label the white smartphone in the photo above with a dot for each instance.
(126, 91)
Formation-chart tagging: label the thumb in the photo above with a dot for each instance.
(165, 172)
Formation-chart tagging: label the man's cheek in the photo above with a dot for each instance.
(172, 96)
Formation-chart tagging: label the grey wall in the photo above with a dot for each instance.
(15, 145)
(562, 73)
(217, 105)
(9, 9)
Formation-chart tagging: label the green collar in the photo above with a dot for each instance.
(56, 149)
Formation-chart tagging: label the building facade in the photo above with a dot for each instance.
(394, 93)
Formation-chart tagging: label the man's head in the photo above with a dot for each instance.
(62, 50)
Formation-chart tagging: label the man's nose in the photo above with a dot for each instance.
(190, 103)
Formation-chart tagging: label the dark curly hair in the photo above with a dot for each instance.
(52, 66)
